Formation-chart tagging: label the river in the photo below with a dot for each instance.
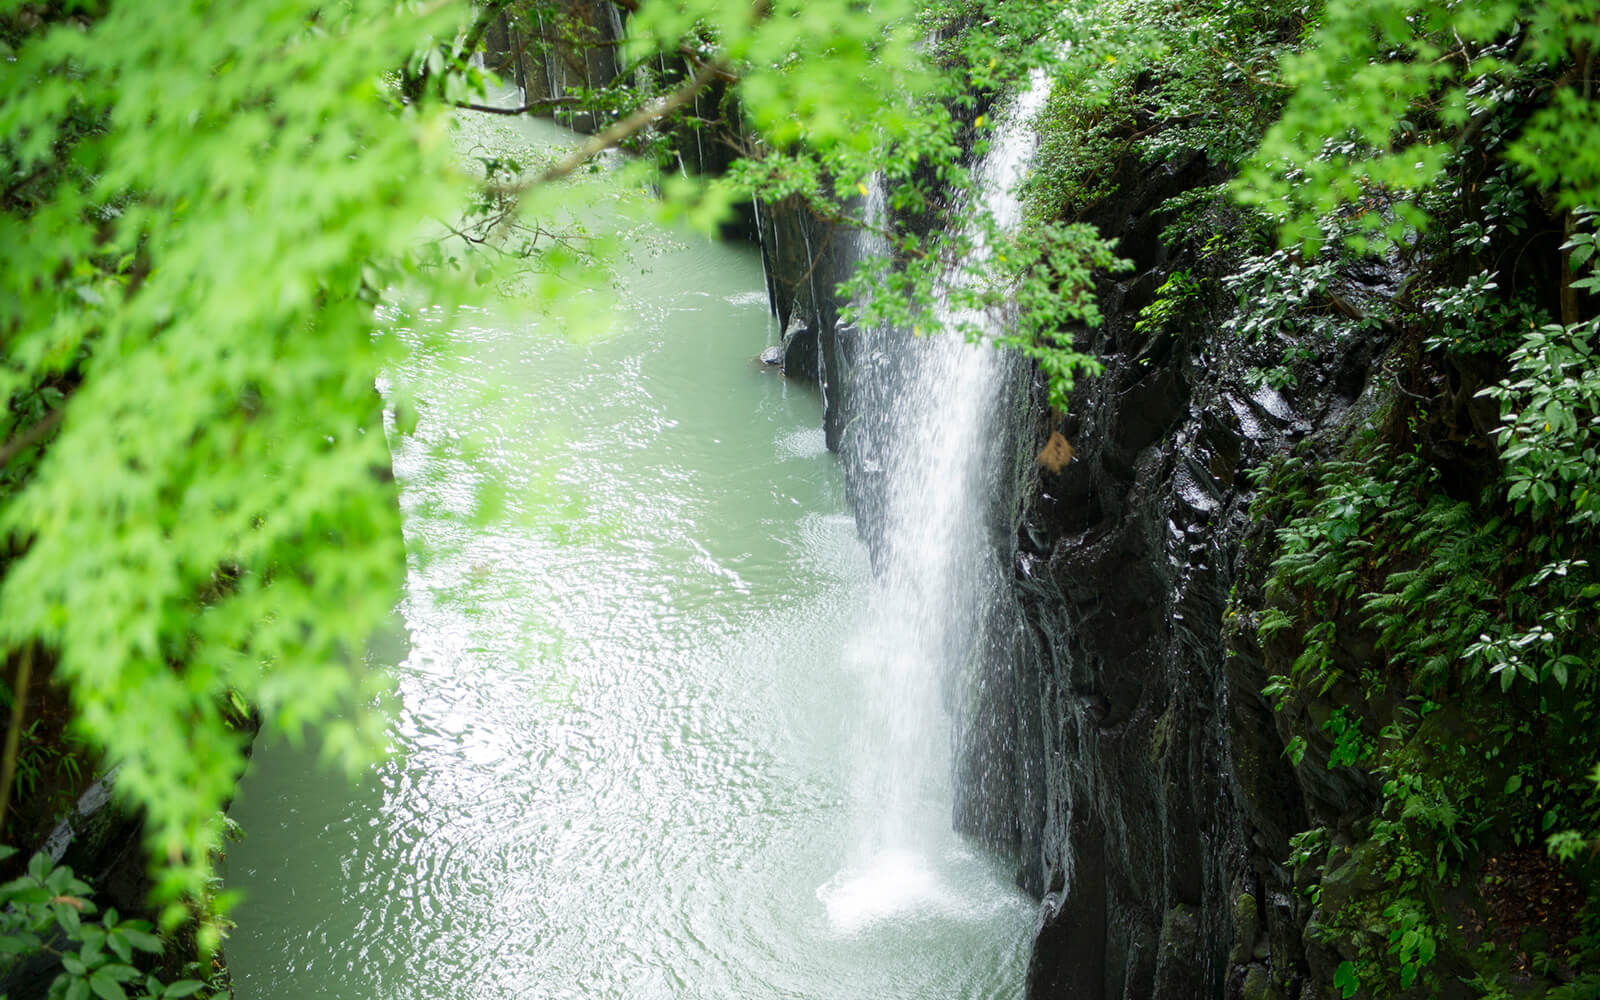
(632, 716)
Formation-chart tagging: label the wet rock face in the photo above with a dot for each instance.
(1117, 741)
(572, 47)
(1156, 804)
(805, 259)
(576, 47)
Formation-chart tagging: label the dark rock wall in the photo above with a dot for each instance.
(1117, 741)
(805, 258)
(577, 46)
(1157, 805)
(574, 51)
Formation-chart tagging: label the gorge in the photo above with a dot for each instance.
(1113, 516)
(1040, 661)
(657, 733)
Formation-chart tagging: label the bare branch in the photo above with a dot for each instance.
(531, 107)
(19, 708)
(693, 58)
(31, 435)
(633, 124)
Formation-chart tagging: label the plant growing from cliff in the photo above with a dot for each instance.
(1413, 941)
(1350, 747)
(1466, 612)
(1346, 980)
(1548, 437)
(1468, 581)
(1568, 845)
(1385, 93)
(1177, 294)
(1550, 408)
(48, 910)
(1150, 83)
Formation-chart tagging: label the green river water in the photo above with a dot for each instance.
(630, 722)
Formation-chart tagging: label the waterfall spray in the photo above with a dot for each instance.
(924, 413)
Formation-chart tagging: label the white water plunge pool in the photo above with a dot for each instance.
(632, 728)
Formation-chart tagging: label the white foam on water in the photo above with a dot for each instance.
(928, 416)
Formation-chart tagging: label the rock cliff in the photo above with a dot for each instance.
(1158, 803)
(1117, 740)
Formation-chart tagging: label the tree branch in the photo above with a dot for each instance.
(19, 707)
(31, 435)
(632, 125)
(486, 17)
(533, 106)
(693, 58)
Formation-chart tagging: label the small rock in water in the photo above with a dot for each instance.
(772, 356)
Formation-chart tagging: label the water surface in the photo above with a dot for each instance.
(633, 716)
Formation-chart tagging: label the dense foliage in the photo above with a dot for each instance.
(199, 219)
(1417, 176)
(1389, 95)
(213, 217)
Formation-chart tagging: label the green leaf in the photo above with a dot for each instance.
(142, 940)
(106, 988)
(1345, 979)
(1295, 750)
(1513, 783)
(18, 944)
(121, 973)
(182, 988)
(67, 916)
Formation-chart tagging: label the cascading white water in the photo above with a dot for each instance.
(924, 416)
(620, 766)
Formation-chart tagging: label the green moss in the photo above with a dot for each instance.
(1258, 985)
(1246, 928)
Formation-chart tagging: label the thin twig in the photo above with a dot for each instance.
(533, 106)
(693, 58)
(19, 707)
(31, 435)
(631, 125)
(1408, 392)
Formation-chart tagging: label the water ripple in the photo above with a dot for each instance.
(620, 761)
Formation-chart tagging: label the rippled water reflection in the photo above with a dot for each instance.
(623, 758)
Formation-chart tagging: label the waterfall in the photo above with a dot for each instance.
(923, 445)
